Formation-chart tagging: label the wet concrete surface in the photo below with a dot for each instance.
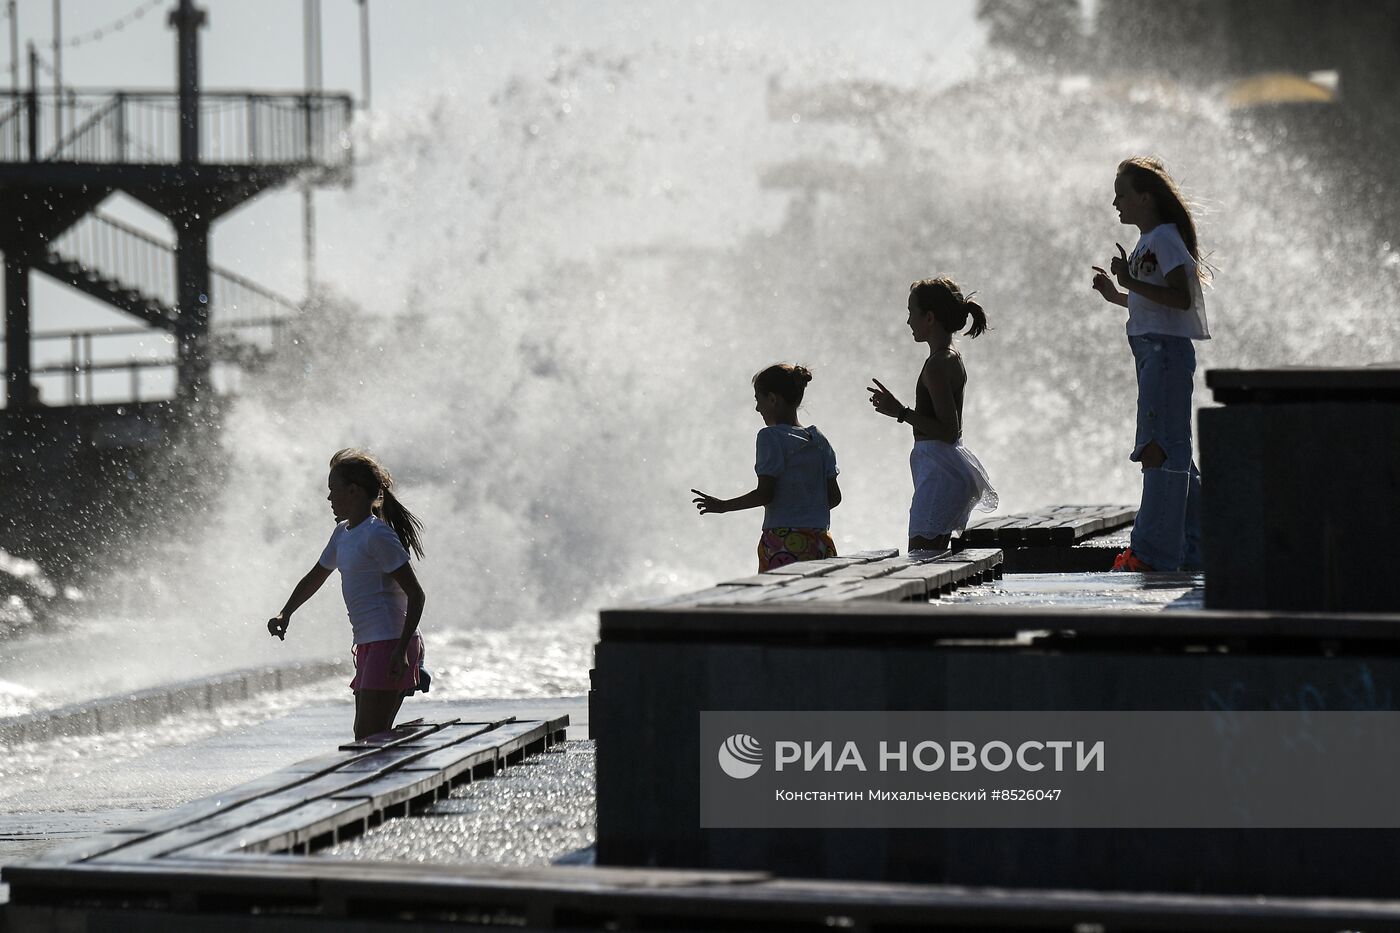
(1117, 592)
(54, 792)
(538, 812)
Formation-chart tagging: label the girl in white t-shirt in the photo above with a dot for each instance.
(1166, 312)
(370, 545)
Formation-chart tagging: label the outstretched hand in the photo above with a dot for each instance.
(1103, 284)
(707, 504)
(883, 400)
(277, 626)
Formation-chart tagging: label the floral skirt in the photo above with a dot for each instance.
(778, 547)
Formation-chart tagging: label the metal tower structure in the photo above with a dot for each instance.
(193, 156)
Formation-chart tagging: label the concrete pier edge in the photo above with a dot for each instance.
(153, 704)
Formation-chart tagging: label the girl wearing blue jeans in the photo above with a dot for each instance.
(1166, 312)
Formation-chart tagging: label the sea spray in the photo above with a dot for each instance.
(567, 280)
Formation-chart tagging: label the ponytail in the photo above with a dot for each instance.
(979, 318)
(405, 524)
(360, 468)
(942, 298)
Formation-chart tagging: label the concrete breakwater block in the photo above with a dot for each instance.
(151, 705)
(660, 668)
(1301, 488)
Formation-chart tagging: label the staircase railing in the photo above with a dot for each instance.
(107, 246)
(235, 127)
(68, 364)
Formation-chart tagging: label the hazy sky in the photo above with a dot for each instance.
(417, 45)
(258, 43)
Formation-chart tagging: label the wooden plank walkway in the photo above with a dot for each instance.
(883, 575)
(319, 801)
(1056, 539)
(1059, 525)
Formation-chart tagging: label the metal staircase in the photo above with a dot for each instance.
(135, 272)
(192, 156)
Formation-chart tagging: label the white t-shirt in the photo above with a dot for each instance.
(365, 556)
(1158, 252)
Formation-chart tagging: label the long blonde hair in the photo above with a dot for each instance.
(1149, 176)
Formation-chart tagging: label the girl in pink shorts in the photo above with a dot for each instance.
(370, 547)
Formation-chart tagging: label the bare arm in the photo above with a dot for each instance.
(759, 496)
(408, 582)
(1175, 294)
(833, 492)
(942, 425)
(306, 588)
(1104, 286)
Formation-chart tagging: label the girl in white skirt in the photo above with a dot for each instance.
(949, 481)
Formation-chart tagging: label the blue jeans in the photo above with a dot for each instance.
(1167, 533)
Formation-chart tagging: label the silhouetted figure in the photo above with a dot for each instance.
(796, 470)
(949, 481)
(1166, 312)
(370, 547)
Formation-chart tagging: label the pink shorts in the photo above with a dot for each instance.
(372, 660)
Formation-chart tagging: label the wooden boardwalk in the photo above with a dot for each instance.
(882, 575)
(1055, 539)
(310, 804)
(1060, 525)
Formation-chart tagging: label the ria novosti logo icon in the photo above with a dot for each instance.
(740, 756)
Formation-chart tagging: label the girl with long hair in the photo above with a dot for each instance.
(1161, 282)
(370, 546)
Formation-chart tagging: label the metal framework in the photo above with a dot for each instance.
(192, 156)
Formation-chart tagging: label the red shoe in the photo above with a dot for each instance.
(1128, 562)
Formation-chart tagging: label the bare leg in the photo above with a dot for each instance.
(375, 711)
(920, 543)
